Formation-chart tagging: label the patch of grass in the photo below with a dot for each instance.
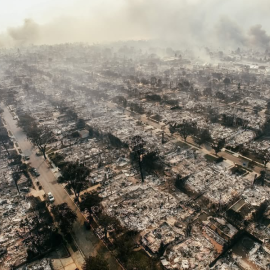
(239, 170)
(182, 145)
(56, 158)
(211, 158)
(68, 191)
(140, 260)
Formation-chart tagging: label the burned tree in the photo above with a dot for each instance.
(40, 137)
(203, 136)
(153, 81)
(137, 147)
(120, 100)
(207, 91)
(226, 82)
(152, 161)
(115, 141)
(80, 123)
(71, 114)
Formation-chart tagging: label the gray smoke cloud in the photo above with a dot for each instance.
(259, 37)
(186, 23)
(229, 33)
(26, 34)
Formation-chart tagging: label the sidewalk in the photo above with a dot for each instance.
(75, 260)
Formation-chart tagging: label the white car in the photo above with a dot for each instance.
(50, 197)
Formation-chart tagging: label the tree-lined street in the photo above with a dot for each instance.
(86, 240)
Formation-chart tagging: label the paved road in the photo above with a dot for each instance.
(86, 240)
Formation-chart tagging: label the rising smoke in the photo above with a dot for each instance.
(185, 23)
(26, 34)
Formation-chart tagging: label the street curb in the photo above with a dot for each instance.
(120, 264)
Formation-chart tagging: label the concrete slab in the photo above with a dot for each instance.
(71, 267)
(57, 264)
(78, 258)
(66, 261)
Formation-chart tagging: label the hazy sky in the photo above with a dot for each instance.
(198, 21)
(13, 12)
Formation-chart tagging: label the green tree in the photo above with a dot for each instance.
(64, 216)
(186, 128)
(203, 136)
(105, 221)
(264, 156)
(125, 245)
(95, 263)
(89, 200)
(151, 161)
(74, 174)
(138, 261)
(218, 145)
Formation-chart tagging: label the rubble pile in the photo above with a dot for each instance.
(153, 208)
(13, 208)
(95, 99)
(194, 252)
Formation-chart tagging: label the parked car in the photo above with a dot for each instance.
(34, 172)
(50, 197)
(25, 157)
(24, 189)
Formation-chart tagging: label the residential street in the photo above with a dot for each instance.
(86, 240)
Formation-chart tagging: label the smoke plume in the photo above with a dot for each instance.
(259, 37)
(187, 23)
(26, 34)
